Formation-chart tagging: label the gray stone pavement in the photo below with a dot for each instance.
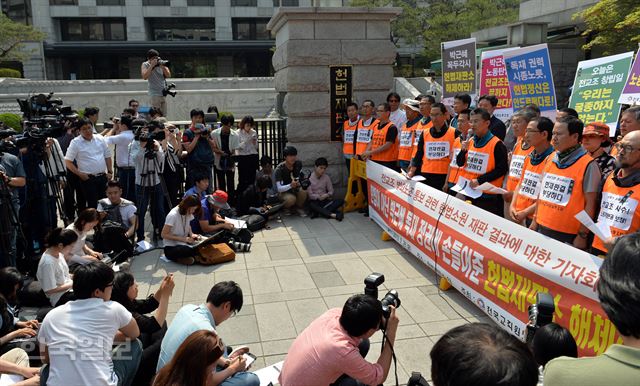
(300, 268)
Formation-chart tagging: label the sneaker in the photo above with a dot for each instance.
(302, 213)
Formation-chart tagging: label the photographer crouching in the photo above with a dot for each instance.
(331, 350)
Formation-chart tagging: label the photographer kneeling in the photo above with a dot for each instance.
(331, 350)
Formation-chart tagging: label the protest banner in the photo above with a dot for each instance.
(494, 81)
(531, 79)
(597, 87)
(631, 93)
(498, 266)
(458, 68)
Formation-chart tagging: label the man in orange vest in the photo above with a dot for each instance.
(425, 102)
(485, 159)
(621, 194)
(349, 132)
(365, 130)
(407, 132)
(523, 204)
(519, 121)
(383, 147)
(465, 131)
(570, 185)
(433, 153)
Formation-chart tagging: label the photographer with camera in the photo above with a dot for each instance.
(121, 136)
(12, 177)
(331, 350)
(288, 184)
(155, 71)
(225, 142)
(93, 157)
(148, 156)
(198, 143)
(173, 172)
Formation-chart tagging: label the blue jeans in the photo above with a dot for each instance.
(144, 194)
(127, 178)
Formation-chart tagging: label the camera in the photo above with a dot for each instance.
(239, 246)
(167, 88)
(162, 62)
(107, 125)
(540, 314)
(6, 132)
(371, 284)
(149, 137)
(303, 175)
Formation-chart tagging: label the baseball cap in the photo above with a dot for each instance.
(412, 104)
(219, 199)
(596, 128)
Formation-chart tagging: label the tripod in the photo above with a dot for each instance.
(9, 222)
(150, 167)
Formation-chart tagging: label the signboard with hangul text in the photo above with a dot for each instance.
(498, 266)
(531, 79)
(341, 90)
(631, 93)
(459, 68)
(597, 88)
(494, 81)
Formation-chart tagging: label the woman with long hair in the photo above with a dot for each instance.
(81, 253)
(247, 154)
(177, 233)
(53, 271)
(152, 328)
(194, 363)
(10, 326)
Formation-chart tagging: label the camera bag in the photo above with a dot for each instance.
(255, 222)
(215, 254)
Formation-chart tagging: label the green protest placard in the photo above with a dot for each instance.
(597, 87)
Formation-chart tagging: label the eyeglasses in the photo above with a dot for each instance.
(626, 148)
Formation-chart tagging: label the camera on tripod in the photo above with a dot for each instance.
(148, 136)
(371, 284)
(540, 314)
(168, 87)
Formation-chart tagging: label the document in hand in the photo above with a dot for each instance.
(463, 187)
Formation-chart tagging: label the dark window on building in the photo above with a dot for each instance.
(86, 29)
(285, 3)
(109, 2)
(250, 29)
(196, 29)
(156, 2)
(244, 3)
(63, 2)
(201, 3)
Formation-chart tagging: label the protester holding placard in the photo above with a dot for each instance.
(538, 136)
(407, 132)
(521, 150)
(570, 185)
(595, 139)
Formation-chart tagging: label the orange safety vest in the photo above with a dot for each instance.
(405, 147)
(480, 160)
(437, 152)
(619, 210)
(363, 136)
(416, 136)
(349, 136)
(561, 196)
(517, 163)
(530, 183)
(378, 139)
(453, 166)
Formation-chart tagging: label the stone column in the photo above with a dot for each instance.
(308, 41)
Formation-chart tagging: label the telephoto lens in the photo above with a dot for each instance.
(390, 299)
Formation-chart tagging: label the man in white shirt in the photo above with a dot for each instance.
(118, 225)
(121, 137)
(93, 157)
(76, 339)
(398, 116)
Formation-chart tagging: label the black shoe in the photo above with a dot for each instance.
(339, 216)
(362, 210)
(313, 215)
(366, 212)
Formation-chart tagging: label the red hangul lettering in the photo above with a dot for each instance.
(495, 235)
(478, 227)
(463, 219)
(564, 263)
(590, 279)
(574, 272)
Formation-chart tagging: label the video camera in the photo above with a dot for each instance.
(6, 146)
(540, 314)
(371, 284)
(149, 136)
(42, 105)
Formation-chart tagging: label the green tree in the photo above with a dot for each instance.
(613, 25)
(12, 37)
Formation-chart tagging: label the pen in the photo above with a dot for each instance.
(277, 369)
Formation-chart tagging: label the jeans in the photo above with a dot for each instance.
(94, 189)
(127, 178)
(241, 378)
(143, 196)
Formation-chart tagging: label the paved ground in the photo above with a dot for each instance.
(301, 267)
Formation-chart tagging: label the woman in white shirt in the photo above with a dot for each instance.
(53, 272)
(247, 154)
(81, 253)
(177, 234)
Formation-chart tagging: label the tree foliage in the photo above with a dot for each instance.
(12, 37)
(613, 25)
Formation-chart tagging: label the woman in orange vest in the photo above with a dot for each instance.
(521, 150)
(523, 204)
(349, 132)
(570, 185)
(621, 194)
(408, 132)
(383, 147)
(484, 158)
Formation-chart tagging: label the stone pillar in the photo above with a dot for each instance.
(308, 41)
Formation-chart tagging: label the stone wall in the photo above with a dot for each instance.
(308, 41)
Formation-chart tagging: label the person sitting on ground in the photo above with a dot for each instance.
(266, 169)
(224, 301)
(552, 341)
(152, 328)
(76, 339)
(331, 350)
(81, 254)
(10, 326)
(177, 233)
(618, 290)
(194, 363)
(200, 187)
(483, 355)
(289, 189)
(119, 223)
(252, 200)
(16, 362)
(53, 271)
(210, 221)
(321, 201)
